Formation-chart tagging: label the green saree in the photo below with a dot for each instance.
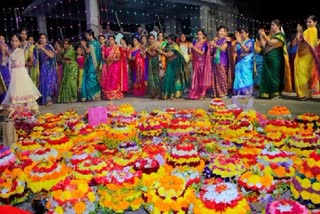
(69, 85)
(273, 67)
(176, 78)
(153, 77)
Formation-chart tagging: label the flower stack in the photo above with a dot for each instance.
(150, 127)
(303, 144)
(221, 198)
(279, 112)
(44, 175)
(13, 186)
(306, 183)
(286, 206)
(279, 162)
(224, 167)
(216, 104)
(308, 121)
(71, 196)
(201, 123)
(179, 126)
(7, 158)
(89, 167)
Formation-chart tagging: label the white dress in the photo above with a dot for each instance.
(22, 94)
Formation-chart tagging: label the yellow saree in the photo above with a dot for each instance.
(304, 63)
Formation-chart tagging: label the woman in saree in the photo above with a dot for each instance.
(175, 79)
(48, 80)
(124, 75)
(58, 48)
(315, 85)
(292, 51)
(275, 68)
(154, 88)
(306, 58)
(220, 64)
(103, 66)
(69, 85)
(90, 89)
(201, 63)
(4, 68)
(243, 82)
(139, 76)
(144, 45)
(162, 43)
(111, 77)
(258, 61)
(80, 59)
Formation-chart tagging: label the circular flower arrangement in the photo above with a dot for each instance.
(308, 120)
(257, 180)
(183, 154)
(279, 112)
(279, 162)
(71, 196)
(287, 127)
(286, 206)
(7, 158)
(146, 165)
(189, 174)
(12, 186)
(306, 184)
(248, 155)
(224, 167)
(179, 126)
(216, 104)
(303, 144)
(90, 168)
(221, 198)
(257, 141)
(27, 144)
(150, 127)
(222, 115)
(44, 175)
(44, 154)
(60, 142)
(201, 125)
(278, 139)
(118, 176)
(119, 132)
(169, 194)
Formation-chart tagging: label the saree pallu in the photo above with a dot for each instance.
(124, 75)
(139, 77)
(243, 82)
(258, 61)
(201, 76)
(90, 89)
(292, 51)
(96, 57)
(154, 87)
(59, 59)
(272, 73)
(304, 63)
(48, 83)
(69, 85)
(174, 80)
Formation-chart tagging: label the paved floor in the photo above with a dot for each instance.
(147, 104)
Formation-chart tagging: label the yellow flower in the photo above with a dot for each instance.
(316, 186)
(58, 210)
(315, 199)
(305, 183)
(305, 195)
(91, 196)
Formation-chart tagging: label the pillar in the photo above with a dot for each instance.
(42, 24)
(92, 16)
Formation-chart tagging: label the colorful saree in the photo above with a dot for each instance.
(243, 82)
(201, 76)
(111, 77)
(80, 62)
(258, 61)
(305, 61)
(154, 87)
(175, 78)
(315, 85)
(220, 66)
(275, 67)
(48, 83)
(292, 51)
(4, 75)
(139, 76)
(69, 84)
(90, 89)
(32, 68)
